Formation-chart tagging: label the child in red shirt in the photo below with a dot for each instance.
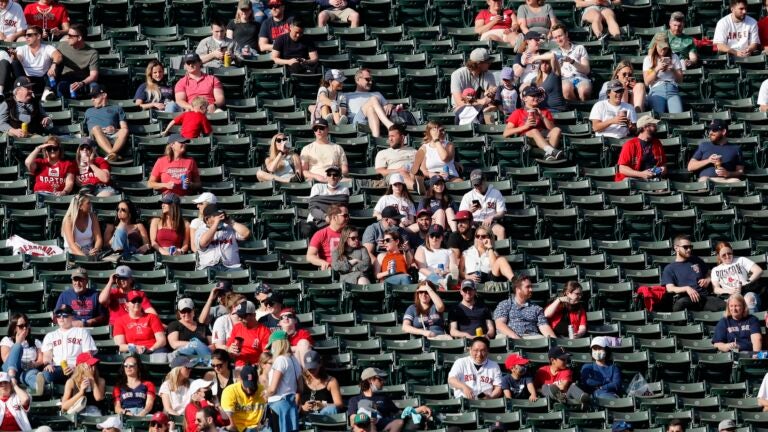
(193, 123)
(535, 123)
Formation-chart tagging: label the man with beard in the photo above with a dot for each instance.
(464, 236)
(327, 239)
(736, 33)
(643, 158)
(205, 419)
(243, 402)
(474, 376)
(715, 159)
(518, 318)
(83, 300)
(687, 278)
(423, 222)
(398, 158)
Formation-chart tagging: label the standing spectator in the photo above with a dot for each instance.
(216, 242)
(139, 332)
(662, 71)
(155, 93)
(535, 123)
(399, 158)
(186, 335)
(497, 24)
(518, 384)
(463, 237)
(53, 175)
(474, 74)
(248, 338)
(330, 103)
(169, 231)
(338, 11)
(321, 154)
(536, 16)
(284, 382)
(350, 260)
(393, 264)
(22, 354)
(83, 300)
(244, 30)
(126, 235)
(321, 393)
(687, 279)
(612, 117)
(486, 204)
(197, 83)
(518, 318)
(398, 197)
(295, 50)
(80, 228)
(736, 33)
(738, 330)
(49, 16)
(174, 391)
(439, 153)
(599, 13)
(193, 123)
(115, 294)
(35, 60)
(62, 346)
(368, 107)
(642, 158)
(634, 92)
(134, 394)
(601, 379)
(682, 44)
(736, 276)
(475, 376)
(93, 171)
(23, 108)
(85, 386)
(213, 48)
(470, 315)
(106, 123)
(243, 402)
(481, 264)
(715, 159)
(438, 204)
(273, 27)
(425, 316)
(80, 64)
(175, 171)
(574, 65)
(567, 311)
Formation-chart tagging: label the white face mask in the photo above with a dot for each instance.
(374, 388)
(598, 354)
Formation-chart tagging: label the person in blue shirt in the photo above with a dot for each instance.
(737, 330)
(602, 378)
(715, 159)
(83, 300)
(519, 383)
(687, 279)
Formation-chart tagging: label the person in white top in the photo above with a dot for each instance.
(216, 242)
(222, 327)
(736, 33)
(397, 196)
(202, 201)
(662, 71)
(174, 392)
(38, 60)
(475, 376)
(436, 264)
(486, 204)
(574, 65)
(398, 158)
(612, 117)
(62, 346)
(480, 263)
(762, 394)
(736, 276)
(285, 380)
(12, 21)
(439, 154)
(14, 404)
(762, 97)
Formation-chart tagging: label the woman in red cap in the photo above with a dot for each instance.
(85, 387)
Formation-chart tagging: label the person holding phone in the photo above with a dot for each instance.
(216, 242)
(283, 164)
(662, 71)
(486, 204)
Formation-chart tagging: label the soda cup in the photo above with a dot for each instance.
(25, 128)
(172, 250)
(64, 365)
(479, 331)
(239, 342)
(184, 184)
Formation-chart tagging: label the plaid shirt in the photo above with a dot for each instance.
(523, 319)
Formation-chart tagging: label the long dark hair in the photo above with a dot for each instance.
(429, 195)
(222, 355)
(12, 328)
(133, 212)
(122, 378)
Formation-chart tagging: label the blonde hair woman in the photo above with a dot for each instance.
(80, 228)
(154, 92)
(284, 382)
(737, 330)
(634, 92)
(283, 164)
(439, 153)
(662, 71)
(86, 383)
(174, 391)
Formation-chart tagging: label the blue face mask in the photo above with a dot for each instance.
(523, 370)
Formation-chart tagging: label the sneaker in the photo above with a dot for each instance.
(47, 93)
(329, 119)
(344, 120)
(557, 154)
(550, 157)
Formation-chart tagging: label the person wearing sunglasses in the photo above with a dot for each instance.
(424, 318)
(283, 164)
(736, 275)
(126, 235)
(195, 82)
(138, 331)
(470, 314)
(114, 295)
(322, 243)
(22, 108)
(222, 374)
(686, 279)
(299, 338)
(634, 91)
(716, 159)
(274, 26)
(35, 60)
(62, 346)
(84, 300)
(134, 393)
(273, 305)
(53, 175)
(369, 107)
(80, 64)
(612, 117)
(321, 154)
(321, 197)
(392, 265)
(481, 264)
(160, 422)
(350, 259)
(187, 335)
(436, 263)
(22, 359)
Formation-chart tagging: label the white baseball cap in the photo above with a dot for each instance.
(206, 197)
(111, 422)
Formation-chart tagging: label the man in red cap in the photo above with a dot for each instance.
(464, 236)
(161, 423)
(273, 27)
(518, 384)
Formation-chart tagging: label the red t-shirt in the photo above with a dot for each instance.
(544, 376)
(166, 171)
(51, 178)
(503, 24)
(89, 178)
(632, 155)
(576, 318)
(9, 423)
(203, 87)
(46, 17)
(139, 331)
(301, 334)
(191, 410)
(193, 123)
(520, 116)
(254, 342)
(117, 307)
(762, 31)
(325, 240)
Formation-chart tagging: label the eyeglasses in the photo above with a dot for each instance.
(388, 240)
(279, 140)
(422, 293)
(318, 128)
(217, 365)
(288, 317)
(185, 311)
(481, 236)
(129, 365)
(31, 34)
(686, 247)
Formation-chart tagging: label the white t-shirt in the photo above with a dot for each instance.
(490, 203)
(223, 249)
(763, 392)
(395, 158)
(729, 274)
(481, 380)
(403, 205)
(577, 53)
(762, 95)
(68, 344)
(736, 35)
(12, 19)
(222, 328)
(28, 353)
(434, 258)
(179, 398)
(196, 223)
(291, 373)
(36, 65)
(664, 76)
(474, 262)
(604, 110)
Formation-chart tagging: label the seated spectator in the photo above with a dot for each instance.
(738, 330)
(35, 60)
(169, 233)
(439, 204)
(14, 402)
(134, 394)
(536, 16)
(634, 92)
(368, 107)
(23, 109)
(736, 33)
(762, 96)
(397, 197)
(486, 204)
(22, 354)
(84, 384)
(599, 14)
(549, 78)
(93, 175)
(475, 376)
(193, 123)
(244, 29)
(215, 47)
(555, 380)
(283, 164)
(155, 93)
(198, 389)
(80, 65)
(643, 158)
(574, 65)
(211, 311)
(321, 392)
(331, 104)
(535, 123)
(274, 308)
(159, 422)
(222, 327)
(248, 338)
(324, 195)
(222, 374)
(682, 44)
(373, 237)
(321, 154)
(62, 346)
(601, 379)
(299, 339)
(526, 62)
(474, 74)
(736, 276)
(273, 27)
(418, 233)
(518, 384)
(216, 242)
(436, 263)
(425, 316)
(716, 159)
(106, 124)
(612, 117)
(662, 72)
(80, 228)
(50, 15)
(506, 97)
(481, 264)
(201, 202)
(762, 394)
(186, 335)
(320, 250)
(83, 300)
(243, 402)
(338, 11)
(126, 235)
(371, 399)
(393, 264)
(497, 24)
(197, 83)
(174, 392)
(350, 260)
(14, 22)
(115, 294)
(295, 50)
(175, 171)
(139, 332)
(284, 380)
(687, 280)
(439, 153)
(518, 318)
(566, 314)
(470, 317)
(463, 237)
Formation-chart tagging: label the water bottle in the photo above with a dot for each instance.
(172, 250)
(52, 81)
(571, 333)
(762, 355)
(391, 267)
(441, 267)
(184, 184)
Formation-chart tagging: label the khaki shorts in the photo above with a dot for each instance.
(342, 15)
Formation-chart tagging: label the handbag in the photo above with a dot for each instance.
(78, 406)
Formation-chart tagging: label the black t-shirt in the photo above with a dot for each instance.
(270, 322)
(553, 85)
(290, 49)
(245, 33)
(202, 332)
(468, 320)
(272, 29)
(456, 241)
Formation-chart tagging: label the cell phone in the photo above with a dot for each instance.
(476, 203)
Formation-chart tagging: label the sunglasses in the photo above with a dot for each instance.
(268, 303)
(388, 240)
(217, 365)
(279, 140)
(62, 315)
(481, 236)
(21, 326)
(137, 300)
(31, 34)
(185, 311)
(318, 128)
(686, 247)
(435, 235)
(288, 317)
(52, 149)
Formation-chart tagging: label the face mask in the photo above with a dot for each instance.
(374, 388)
(598, 354)
(522, 370)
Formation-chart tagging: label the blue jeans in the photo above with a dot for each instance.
(329, 410)
(172, 107)
(664, 97)
(13, 362)
(195, 348)
(398, 279)
(120, 242)
(260, 13)
(287, 413)
(56, 377)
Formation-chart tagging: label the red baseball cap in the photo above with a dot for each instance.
(134, 294)
(515, 360)
(87, 358)
(463, 215)
(160, 417)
